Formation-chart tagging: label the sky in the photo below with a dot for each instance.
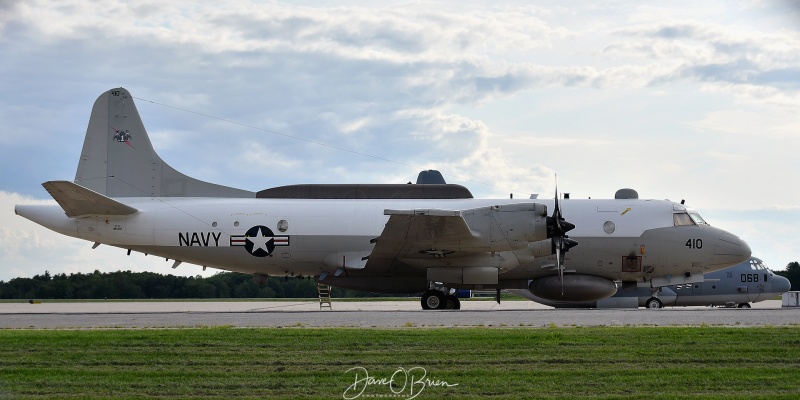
(677, 100)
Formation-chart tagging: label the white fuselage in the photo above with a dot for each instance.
(631, 240)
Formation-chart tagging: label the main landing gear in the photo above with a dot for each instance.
(434, 299)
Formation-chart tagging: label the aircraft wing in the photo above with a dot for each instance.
(429, 226)
(432, 238)
(78, 201)
(421, 234)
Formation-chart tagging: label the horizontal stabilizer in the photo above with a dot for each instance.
(78, 201)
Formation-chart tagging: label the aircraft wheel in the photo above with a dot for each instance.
(452, 302)
(433, 300)
(743, 305)
(653, 303)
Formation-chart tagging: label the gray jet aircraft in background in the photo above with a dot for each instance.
(737, 286)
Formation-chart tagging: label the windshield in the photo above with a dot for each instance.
(682, 219)
(697, 218)
(757, 265)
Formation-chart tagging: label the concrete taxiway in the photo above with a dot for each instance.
(378, 314)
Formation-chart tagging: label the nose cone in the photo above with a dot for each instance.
(780, 284)
(730, 250)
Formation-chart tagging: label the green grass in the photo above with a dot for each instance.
(217, 363)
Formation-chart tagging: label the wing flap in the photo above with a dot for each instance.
(78, 201)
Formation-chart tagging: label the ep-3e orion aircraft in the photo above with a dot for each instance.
(410, 238)
(736, 286)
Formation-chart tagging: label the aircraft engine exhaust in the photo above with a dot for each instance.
(576, 287)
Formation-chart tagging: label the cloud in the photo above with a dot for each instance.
(786, 100)
(694, 99)
(711, 52)
(769, 124)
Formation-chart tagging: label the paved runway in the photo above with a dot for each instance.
(378, 314)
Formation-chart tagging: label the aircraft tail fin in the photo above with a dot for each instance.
(78, 201)
(118, 159)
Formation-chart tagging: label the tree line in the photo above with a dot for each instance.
(149, 285)
(792, 273)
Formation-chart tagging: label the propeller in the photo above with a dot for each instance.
(557, 228)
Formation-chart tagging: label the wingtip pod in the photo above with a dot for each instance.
(118, 159)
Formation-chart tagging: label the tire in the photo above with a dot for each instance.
(452, 302)
(743, 305)
(653, 303)
(433, 300)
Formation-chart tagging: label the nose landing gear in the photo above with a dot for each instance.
(653, 301)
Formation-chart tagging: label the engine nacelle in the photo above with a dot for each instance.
(503, 227)
(507, 227)
(576, 287)
(542, 248)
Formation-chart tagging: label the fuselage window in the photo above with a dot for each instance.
(682, 219)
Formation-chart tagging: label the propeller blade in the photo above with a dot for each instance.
(556, 208)
(560, 261)
(566, 226)
(568, 243)
(557, 230)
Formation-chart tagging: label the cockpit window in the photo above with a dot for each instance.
(682, 219)
(757, 265)
(697, 218)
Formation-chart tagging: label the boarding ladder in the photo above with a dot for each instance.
(324, 295)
